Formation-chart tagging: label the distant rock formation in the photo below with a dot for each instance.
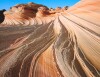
(54, 43)
(65, 8)
(20, 13)
(26, 8)
(42, 11)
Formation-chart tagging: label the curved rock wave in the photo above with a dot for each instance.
(65, 44)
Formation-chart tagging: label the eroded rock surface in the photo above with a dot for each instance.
(61, 44)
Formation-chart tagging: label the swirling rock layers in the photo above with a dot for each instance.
(65, 44)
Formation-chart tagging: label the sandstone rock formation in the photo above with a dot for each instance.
(65, 44)
(42, 11)
(21, 13)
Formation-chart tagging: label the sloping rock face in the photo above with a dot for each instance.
(65, 44)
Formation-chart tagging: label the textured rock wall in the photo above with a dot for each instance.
(63, 44)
